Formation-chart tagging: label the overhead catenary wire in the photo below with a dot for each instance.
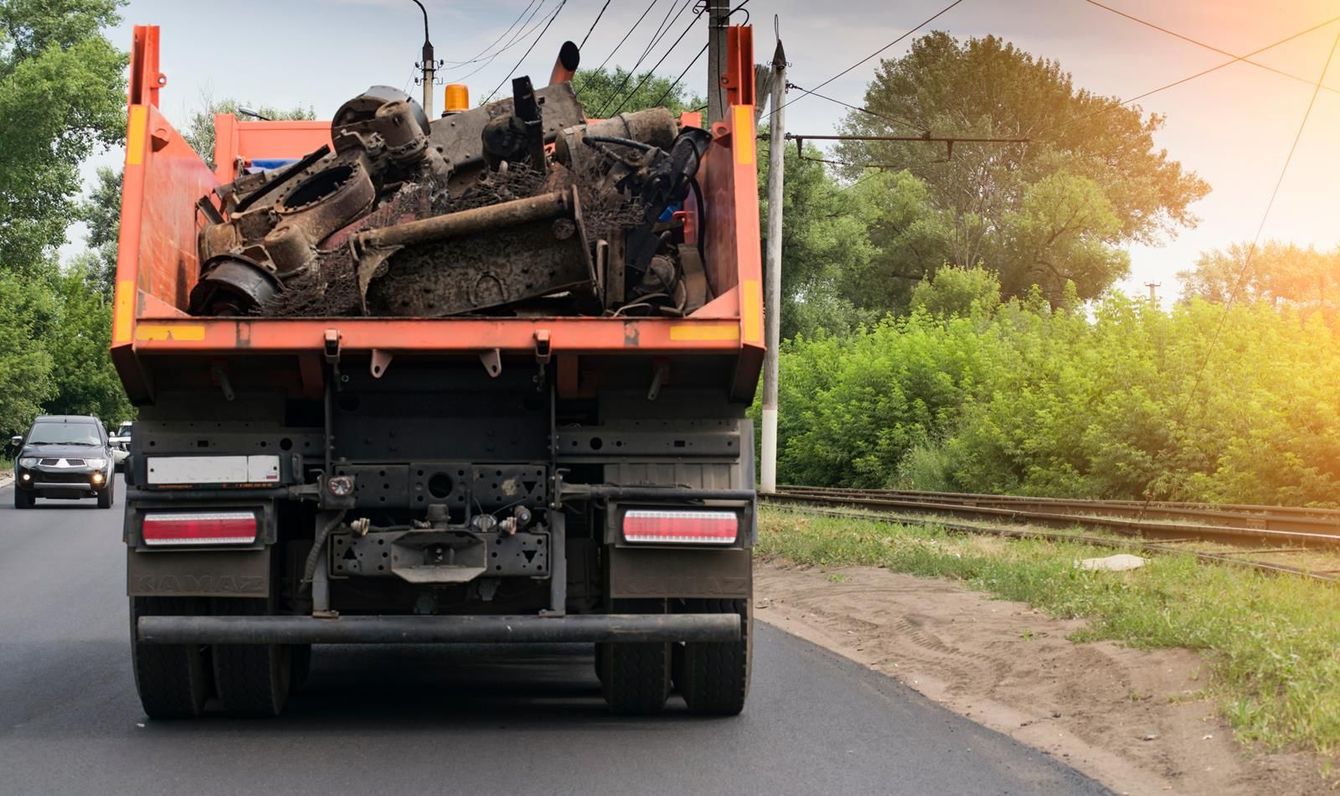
(484, 52)
(1194, 76)
(593, 24)
(520, 36)
(656, 38)
(667, 22)
(1270, 205)
(628, 34)
(1245, 59)
(867, 111)
(526, 55)
(1247, 260)
(878, 52)
(651, 72)
(671, 89)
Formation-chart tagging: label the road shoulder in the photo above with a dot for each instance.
(1137, 720)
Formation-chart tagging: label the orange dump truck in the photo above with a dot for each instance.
(477, 478)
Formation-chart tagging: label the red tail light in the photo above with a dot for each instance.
(230, 527)
(681, 527)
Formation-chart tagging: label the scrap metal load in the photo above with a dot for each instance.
(518, 207)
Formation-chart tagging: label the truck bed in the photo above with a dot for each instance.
(158, 265)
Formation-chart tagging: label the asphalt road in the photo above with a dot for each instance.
(476, 720)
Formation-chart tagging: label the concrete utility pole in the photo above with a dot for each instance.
(428, 66)
(718, 19)
(772, 297)
(1154, 292)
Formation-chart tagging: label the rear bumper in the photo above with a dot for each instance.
(438, 629)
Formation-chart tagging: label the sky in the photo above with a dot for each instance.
(1233, 127)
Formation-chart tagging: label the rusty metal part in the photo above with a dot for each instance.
(475, 259)
(233, 285)
(518, 137)
(325, 202)
(459, 137)
(565, 66)
(382, 119)
(654, 126)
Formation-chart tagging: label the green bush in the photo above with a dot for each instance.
(1121, 400)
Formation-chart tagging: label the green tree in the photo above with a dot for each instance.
(825, 243)
(1052, 211)
(1280, 274)
(84, 379)
(62, 97)
(27, 315)
(601, 91)
(101, 211)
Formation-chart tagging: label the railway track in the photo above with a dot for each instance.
(1262, 537)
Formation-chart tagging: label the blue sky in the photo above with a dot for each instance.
(1233, 127)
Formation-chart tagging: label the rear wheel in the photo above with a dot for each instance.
(172, 680)
(22, 499)
(252, 679)
(714, 677)
(635, 677)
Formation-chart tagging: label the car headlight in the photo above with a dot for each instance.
(96, 463)
(28, 461)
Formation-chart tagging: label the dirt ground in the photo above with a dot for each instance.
(1136, 720)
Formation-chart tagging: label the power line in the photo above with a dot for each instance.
(593, 24)
(520, 36)
(889, 119)
(923, 24)
(628, 35)
(1200, 74)
(481, 54)
(662, 29)
(526, 55)
(675, 84)
(1270, 204)
(1199, 43)
(656, 37)
(1251, 252)
(849, 164)
(652, 72)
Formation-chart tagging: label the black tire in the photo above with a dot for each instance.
(252, 679)
(602, 650)
(636, 679)
(107, 495)
(714, 677)
(22, 499)
(300, 657)
(173, 681)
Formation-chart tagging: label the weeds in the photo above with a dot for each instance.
(1273, 642)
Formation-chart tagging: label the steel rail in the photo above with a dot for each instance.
(1128, 543)
(1032, 515)
(1273, 518)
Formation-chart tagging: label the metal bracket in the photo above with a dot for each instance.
(333, 346)
(492, 360)
(543, 353)
(542, 349)
(381, 362)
